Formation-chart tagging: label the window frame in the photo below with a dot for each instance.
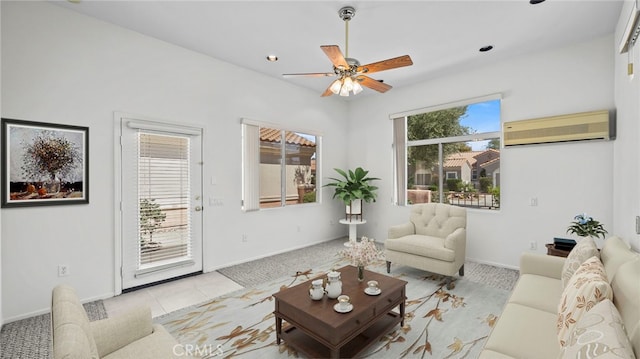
(251, 153)
(401, 146)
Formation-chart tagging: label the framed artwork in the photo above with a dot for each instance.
(44, 164)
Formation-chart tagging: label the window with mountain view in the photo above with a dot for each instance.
(451, 155)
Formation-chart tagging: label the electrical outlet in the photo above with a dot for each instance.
(63, 270)
(533, 201)
(245, 238)
(533, 245)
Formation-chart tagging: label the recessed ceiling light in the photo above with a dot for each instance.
(534, 2)
(486, 48)
(272, 58)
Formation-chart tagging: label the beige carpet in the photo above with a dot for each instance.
(31, 338)
(262, 270)
(440, 323)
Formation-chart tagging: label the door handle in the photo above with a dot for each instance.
(198, 208)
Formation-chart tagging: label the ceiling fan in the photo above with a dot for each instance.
(351, 75)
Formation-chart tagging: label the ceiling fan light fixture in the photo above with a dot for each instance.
(356, 87)
(344, 85)
(343, 91)
(348, 84)
(351, 75)
(336, 86)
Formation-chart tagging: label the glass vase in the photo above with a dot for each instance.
(360, 273)
(52, 185)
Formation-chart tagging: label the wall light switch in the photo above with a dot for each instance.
(216, 202)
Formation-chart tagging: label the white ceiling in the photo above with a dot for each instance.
(442, 37)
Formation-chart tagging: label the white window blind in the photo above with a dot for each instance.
(251, 167)
(164, 220)
(400, 159)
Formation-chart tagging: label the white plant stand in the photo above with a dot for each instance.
(352, 230)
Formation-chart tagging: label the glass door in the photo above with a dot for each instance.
(161, 211)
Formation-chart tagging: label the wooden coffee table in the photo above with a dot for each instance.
(315, 329)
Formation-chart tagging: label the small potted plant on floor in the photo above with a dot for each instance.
(352, 189)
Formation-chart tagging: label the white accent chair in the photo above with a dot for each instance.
(433, 240)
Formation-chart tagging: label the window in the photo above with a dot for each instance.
(279, 167)
(455, 147)
(164, 198)
(423, 179)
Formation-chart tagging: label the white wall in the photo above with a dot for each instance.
(58, 66)
(61, 67)
(567, 179)
(626, 192)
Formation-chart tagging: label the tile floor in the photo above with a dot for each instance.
(168, 297)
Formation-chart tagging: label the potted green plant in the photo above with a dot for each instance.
(353, 188)
(585, 226)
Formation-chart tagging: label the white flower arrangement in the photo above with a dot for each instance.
(362, 253)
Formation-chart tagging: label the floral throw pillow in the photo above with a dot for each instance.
(585, 249)
(587, 287)
(599, 333)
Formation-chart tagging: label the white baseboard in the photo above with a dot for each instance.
(48, 310)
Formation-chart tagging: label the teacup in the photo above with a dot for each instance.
(344, 301)
(373, 285)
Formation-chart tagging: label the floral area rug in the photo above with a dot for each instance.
(439, 323)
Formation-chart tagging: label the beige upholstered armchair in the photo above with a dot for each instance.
(433, 240)
(131, 335)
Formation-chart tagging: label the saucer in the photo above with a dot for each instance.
(371, 291)
(338, 309)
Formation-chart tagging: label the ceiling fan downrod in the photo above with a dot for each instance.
(346, 14)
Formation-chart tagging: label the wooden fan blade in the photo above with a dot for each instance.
(327, 92)
(311, 74)
(373, 84)
(335, 55)
(386, 64)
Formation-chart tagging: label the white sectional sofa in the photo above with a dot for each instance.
(528, 326)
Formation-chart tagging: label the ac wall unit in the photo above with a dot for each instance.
(631, 30)
(597, 125)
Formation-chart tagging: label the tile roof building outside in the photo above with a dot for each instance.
(273, 135)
